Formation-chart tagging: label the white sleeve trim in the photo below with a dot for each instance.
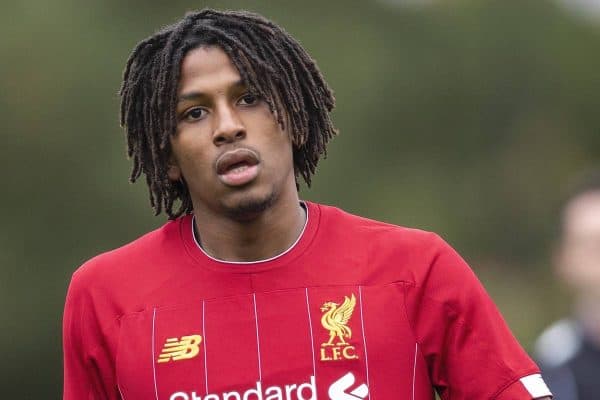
(536, 386)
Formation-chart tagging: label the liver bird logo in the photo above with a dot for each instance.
(335, 320)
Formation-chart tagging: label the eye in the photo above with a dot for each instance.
(248, 99)
(194, 114)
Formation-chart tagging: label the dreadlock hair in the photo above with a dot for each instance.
(270, 62)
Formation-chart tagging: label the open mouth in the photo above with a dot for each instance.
(237, 167)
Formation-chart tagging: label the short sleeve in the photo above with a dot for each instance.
(87, 370)
(467, 346)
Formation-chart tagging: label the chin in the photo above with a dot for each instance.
(250, 206)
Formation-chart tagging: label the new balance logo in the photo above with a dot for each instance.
(180, 349)
(338, 389)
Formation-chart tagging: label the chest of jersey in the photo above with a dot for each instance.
(333, 342)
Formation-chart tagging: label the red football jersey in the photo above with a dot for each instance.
(355, 309)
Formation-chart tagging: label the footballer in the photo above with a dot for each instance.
(248, 292)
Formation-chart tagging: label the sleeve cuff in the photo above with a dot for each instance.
(528, 387)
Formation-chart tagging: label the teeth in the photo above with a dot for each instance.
(241, 168)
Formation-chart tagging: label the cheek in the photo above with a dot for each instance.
(191, 156)
(281, 149)
(579, 266)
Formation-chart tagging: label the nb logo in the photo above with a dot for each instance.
(338, 389)
(180, 349)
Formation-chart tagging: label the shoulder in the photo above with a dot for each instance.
(118, 267)
(344, 223)
(398, 253)
(558, 343)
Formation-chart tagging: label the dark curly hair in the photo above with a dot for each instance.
(270, 62)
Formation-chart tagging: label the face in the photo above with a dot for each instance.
(234, 157)
(579, 254)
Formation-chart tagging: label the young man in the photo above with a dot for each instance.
(248, 292)
(569, 350)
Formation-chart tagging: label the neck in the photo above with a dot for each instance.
(266, 235)
(586, 309)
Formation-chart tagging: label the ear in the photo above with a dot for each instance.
(173, 170)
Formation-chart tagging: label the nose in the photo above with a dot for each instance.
(229, 128)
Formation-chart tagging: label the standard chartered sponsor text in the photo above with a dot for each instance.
(302, 391)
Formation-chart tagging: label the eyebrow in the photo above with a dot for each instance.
(199, 95)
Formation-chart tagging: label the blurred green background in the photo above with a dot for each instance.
(463, 117)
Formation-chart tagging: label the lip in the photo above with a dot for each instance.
(230, 158)
(233, 175)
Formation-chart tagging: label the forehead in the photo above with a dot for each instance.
(207, 69)
(582, 214)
